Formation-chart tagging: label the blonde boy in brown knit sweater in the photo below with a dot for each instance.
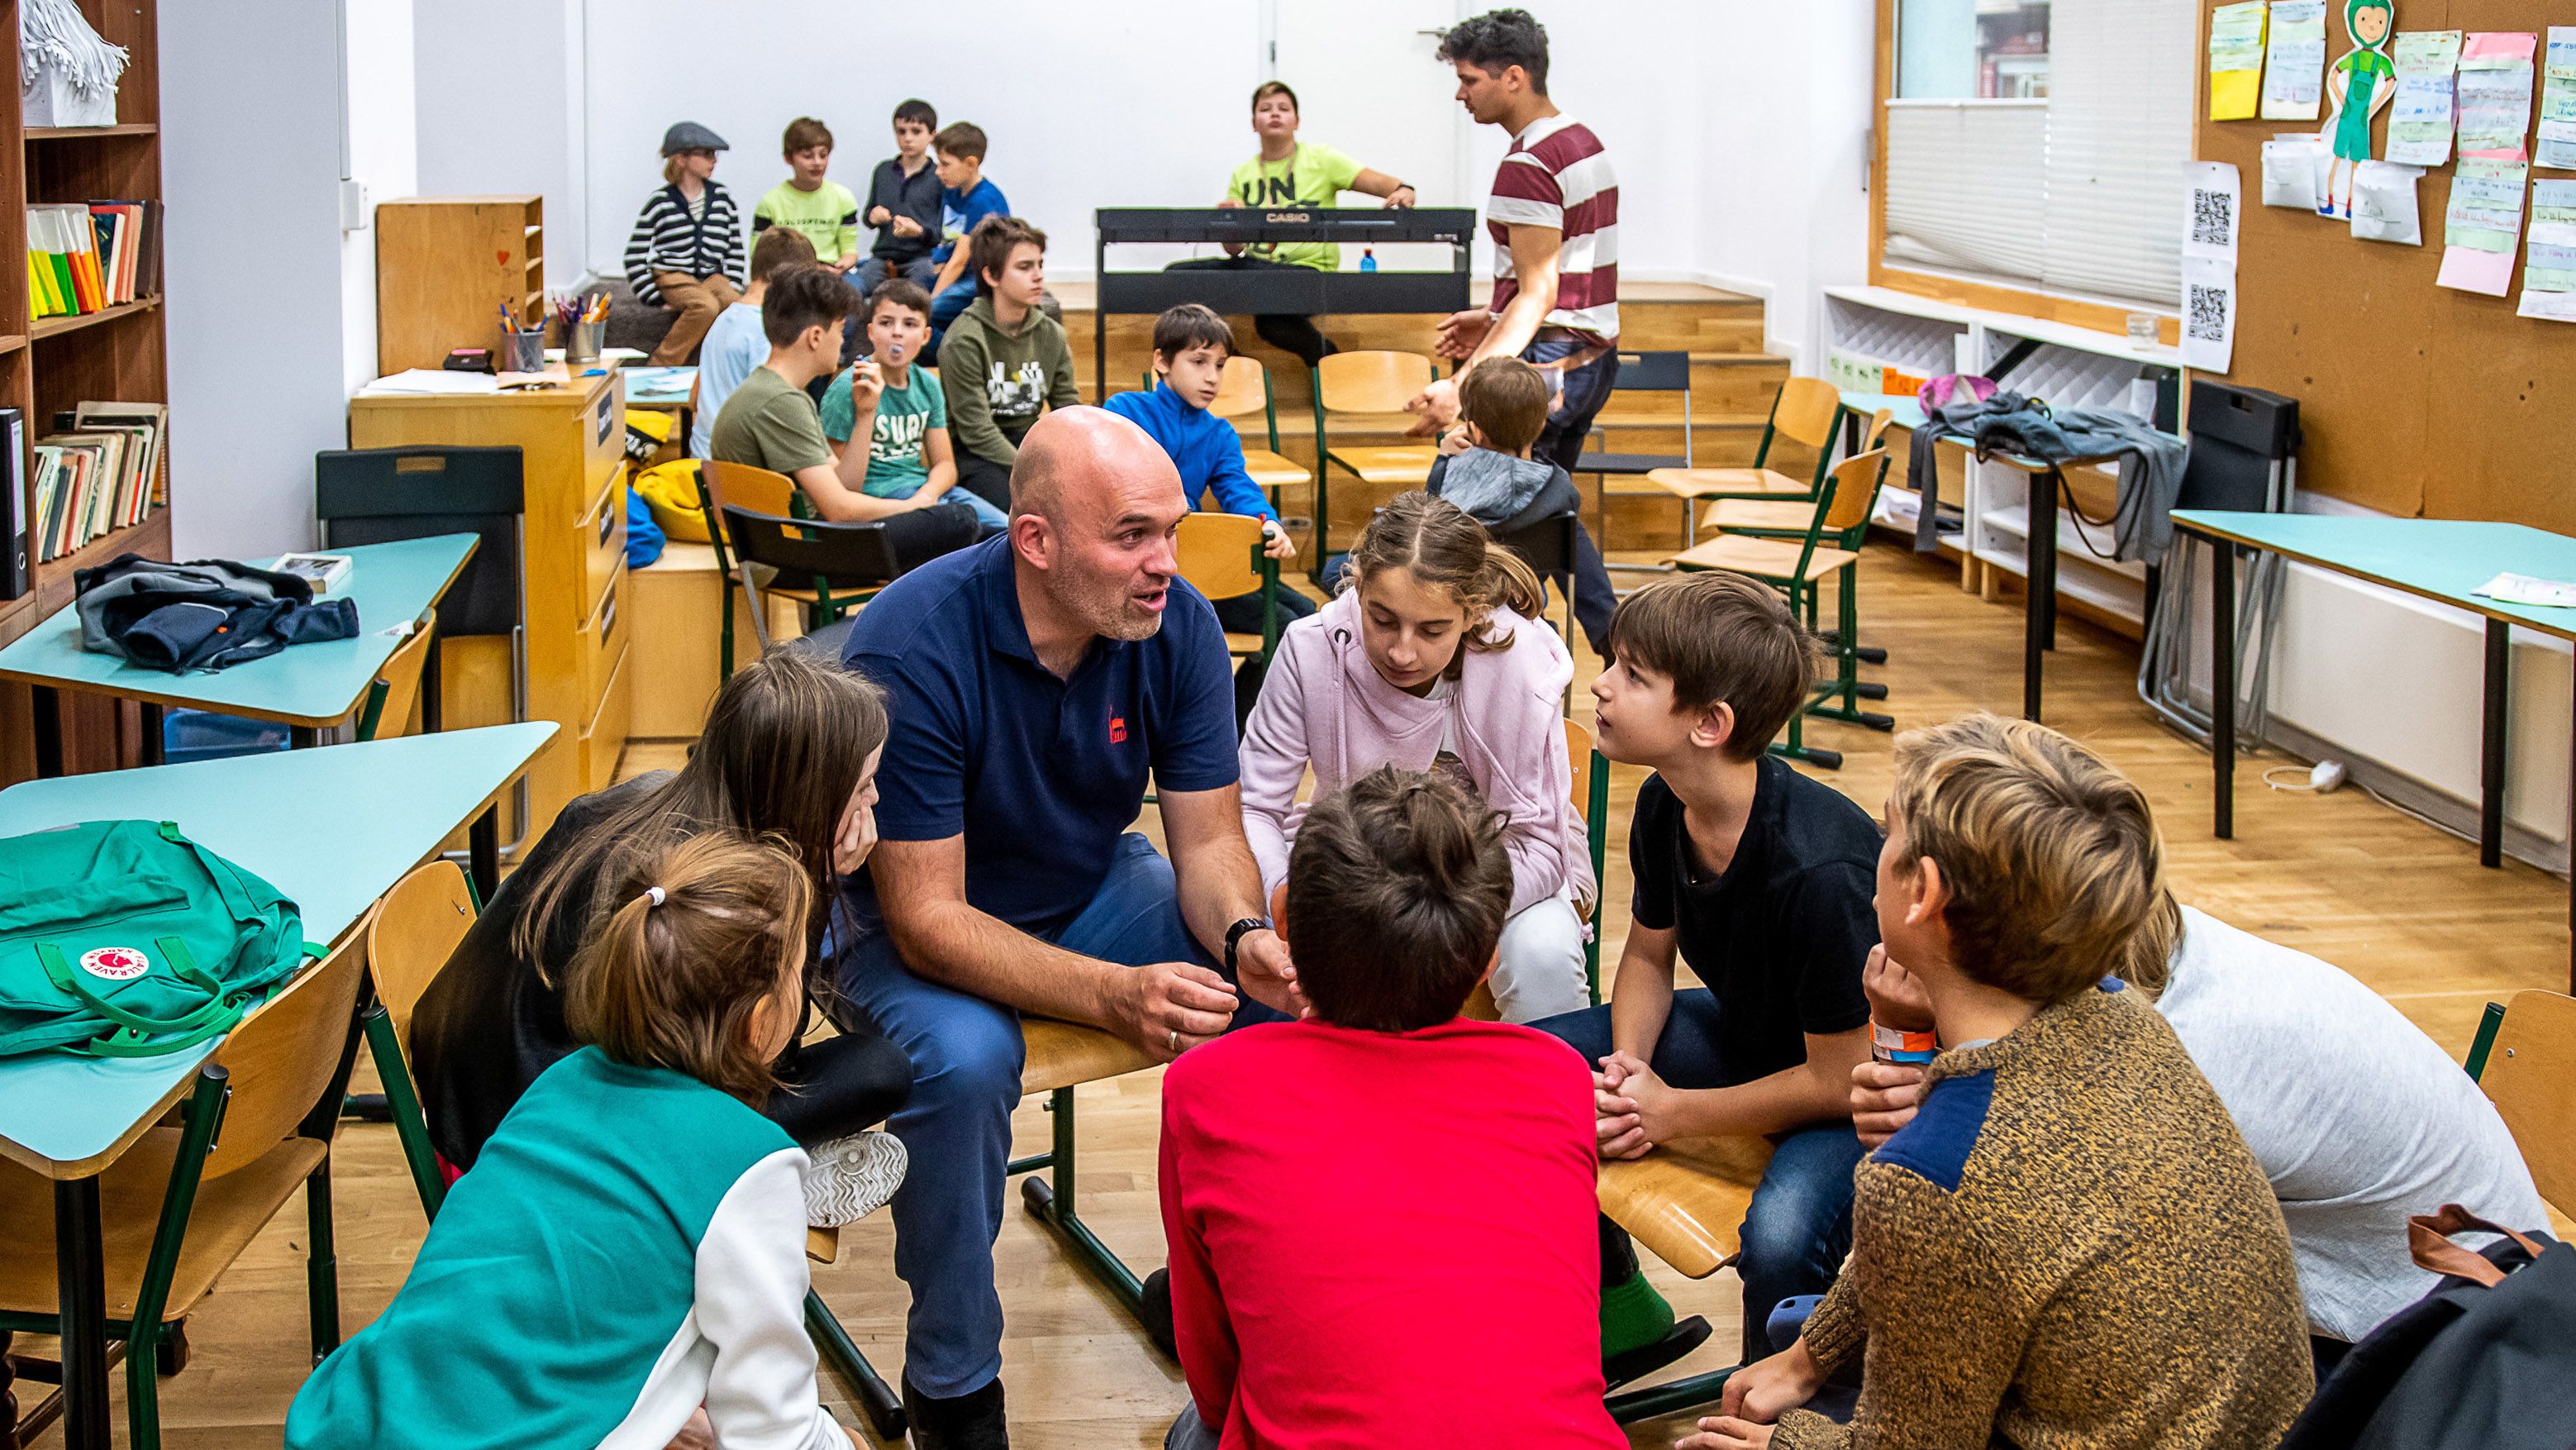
(2070, 1247)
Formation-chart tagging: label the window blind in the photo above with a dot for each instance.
(2080, 193)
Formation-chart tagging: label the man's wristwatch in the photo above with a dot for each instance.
(1234, 936)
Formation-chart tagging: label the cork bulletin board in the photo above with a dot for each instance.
(2415, 399)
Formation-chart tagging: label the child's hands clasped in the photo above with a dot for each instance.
(1635, 1107)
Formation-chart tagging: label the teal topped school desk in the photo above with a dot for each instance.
(2436, 559)
(334, 830)
(305, 686)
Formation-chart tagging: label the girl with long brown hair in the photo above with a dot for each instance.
(790, 755)
(1433, 658)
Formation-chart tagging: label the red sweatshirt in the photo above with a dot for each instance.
(1386, 1239)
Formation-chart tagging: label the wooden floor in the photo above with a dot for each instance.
(2402, 905)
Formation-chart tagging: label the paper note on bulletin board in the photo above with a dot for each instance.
(2235, 60)
(2420, 119)
(2294, 72)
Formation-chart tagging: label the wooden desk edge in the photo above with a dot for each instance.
(273, 717)
(2463, 602)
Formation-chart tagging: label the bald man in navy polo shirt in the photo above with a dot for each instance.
(1035, 682)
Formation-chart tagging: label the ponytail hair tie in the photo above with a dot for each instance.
(653, 896)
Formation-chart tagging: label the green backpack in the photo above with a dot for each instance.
(127, 939)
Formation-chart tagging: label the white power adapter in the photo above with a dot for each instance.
(2326, 775)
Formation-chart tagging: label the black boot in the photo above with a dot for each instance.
(971, 1421)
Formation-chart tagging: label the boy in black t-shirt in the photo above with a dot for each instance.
(1761, 880)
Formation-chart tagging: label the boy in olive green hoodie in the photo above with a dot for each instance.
(1004, 359)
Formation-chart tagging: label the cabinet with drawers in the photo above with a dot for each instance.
(573, 550)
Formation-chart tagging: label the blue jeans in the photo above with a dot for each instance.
(872, 274)
(966, 1057)
(1586, 389)
(1798, 1227)
(949, 305)
(985, 514)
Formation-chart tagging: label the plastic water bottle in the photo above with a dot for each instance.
(1368, 259)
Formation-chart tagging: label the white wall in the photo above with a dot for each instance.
(486, 129)
(1783, 148)
(383, 157)
(250, 128)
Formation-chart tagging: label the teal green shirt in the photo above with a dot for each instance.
(905, 416)
(599, 1229)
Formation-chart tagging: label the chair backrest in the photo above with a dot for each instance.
(1578, 759)
(415, 931)
(397, 688)
(1653, 372)
(283, 1056)
(1547, 544)
(1805, 411)
(1245, 388)
(1856, 481)
(840, 556)
(2530, 1075)
(1220, 554)
(759, 489)
(1370, 382)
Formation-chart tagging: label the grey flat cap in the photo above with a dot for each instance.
(690, 136)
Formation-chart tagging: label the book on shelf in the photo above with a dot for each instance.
(101, 477)
(86, 256)
(17, 562)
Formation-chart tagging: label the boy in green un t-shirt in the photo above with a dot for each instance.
(825, 211)
(909, 457)
(1287, 172)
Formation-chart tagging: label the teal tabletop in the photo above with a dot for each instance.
(306, 684)
(333, 829)
(1907, 408)
(2441, 559)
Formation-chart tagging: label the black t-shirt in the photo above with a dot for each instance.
(915, 196)
(1781, 937)
(491, 1021)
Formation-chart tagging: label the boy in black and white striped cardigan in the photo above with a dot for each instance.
(686, 250)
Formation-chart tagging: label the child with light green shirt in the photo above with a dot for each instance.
(825, 211)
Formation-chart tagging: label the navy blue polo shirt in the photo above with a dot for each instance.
(1041, 775)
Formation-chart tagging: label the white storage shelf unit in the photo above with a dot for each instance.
(2072, 367)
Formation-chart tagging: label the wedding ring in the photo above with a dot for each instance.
(1176, 1040)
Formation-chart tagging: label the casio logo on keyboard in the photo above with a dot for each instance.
(1286, 216)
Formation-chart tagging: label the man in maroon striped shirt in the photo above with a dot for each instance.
(1554, 218)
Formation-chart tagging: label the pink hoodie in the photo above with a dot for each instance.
(1325, 704)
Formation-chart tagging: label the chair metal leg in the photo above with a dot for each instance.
(1050, 1201)
(411, 1126)
(1666, 1399)
(1796, 747)
(321, 1263)
(877, 1399)
(1847, 682)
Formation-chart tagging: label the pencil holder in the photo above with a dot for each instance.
(522, 352)
(581, 342)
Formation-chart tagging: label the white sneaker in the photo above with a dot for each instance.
(849, 1178)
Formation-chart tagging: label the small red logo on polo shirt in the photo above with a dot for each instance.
(1117, 729)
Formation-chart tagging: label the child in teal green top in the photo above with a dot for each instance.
(807, 201)
(626, 1259)
(909, 456)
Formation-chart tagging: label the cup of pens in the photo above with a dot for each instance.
(523, 349)
(582, 321)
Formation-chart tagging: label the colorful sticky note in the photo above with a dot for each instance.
(2235, 60)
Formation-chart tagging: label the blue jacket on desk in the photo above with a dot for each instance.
(1204, 447)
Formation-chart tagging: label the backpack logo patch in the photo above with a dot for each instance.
(116, 964)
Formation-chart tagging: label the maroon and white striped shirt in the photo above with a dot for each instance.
(1557, 175)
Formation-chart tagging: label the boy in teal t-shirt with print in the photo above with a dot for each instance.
(909, 455)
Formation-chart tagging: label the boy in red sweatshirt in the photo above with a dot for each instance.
(1380, 1217)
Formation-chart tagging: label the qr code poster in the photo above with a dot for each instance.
(2209, 225)
(2208, 313)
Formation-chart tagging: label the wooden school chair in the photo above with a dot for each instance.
(1798, 568)
(396, 690)
(416, 929)
(185, 1201)
(1665, 373)
(1685, 1202)
(2525, 1059)
(1360, 388)
(1589, 784)
(757, 489)
(830, 568)
(1244, 387)
(1220, 554)
(1804, 412)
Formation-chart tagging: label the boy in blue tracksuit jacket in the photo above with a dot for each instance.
(1191, 345)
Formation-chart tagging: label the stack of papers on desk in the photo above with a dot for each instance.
(432, 381)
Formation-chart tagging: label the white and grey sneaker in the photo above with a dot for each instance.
(849, 1178)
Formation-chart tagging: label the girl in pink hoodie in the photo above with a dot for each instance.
(1432, 658)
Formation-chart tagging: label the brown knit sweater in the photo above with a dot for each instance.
(2069, 1248)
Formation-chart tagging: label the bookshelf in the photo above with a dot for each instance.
(119, 354)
